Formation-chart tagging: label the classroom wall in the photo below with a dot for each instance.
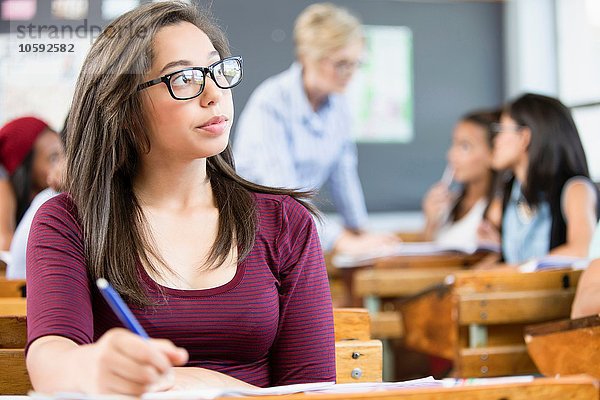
(458, 66)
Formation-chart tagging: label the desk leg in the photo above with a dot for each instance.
(351, 300)
(478, 335)
(372, 304)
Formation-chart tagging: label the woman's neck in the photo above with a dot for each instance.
(316, 96)
(520, 170)
(172, 185)
(477, 189)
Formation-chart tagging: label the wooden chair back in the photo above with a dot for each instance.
(13, 306)
(479, 319)
(358, 357)
(14, 379)
(566, 347)
(12, 288)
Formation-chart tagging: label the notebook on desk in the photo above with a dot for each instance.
(343, 260)
(553, 262)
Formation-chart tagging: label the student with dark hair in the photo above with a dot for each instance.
(550, 204)
(454, 218)
(15, 268)
(28, 150)
(227, 277)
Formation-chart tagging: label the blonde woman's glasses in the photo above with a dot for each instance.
(345, 67)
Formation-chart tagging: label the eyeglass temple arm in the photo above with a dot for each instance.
(150, 83)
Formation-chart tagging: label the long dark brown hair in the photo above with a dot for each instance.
(106, 134)
(555, 155)
(22, 183)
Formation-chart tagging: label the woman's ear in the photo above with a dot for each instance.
(525, 137)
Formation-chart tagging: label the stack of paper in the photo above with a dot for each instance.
(207, 393)
(553, 262)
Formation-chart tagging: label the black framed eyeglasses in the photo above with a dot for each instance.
(189, 82)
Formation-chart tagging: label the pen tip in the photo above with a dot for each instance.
(102, 283)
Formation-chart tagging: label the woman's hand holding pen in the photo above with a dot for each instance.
(351, 243)
(125, 363)
(437, 203)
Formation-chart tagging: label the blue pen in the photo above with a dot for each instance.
(120, 308)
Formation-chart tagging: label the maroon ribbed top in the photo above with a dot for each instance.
(270, 325)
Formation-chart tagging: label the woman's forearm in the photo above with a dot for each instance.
(54, 365)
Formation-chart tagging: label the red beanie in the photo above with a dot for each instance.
(16, 140)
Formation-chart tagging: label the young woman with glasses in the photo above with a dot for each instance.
(550, 204)
(226, 277)
(295, 130)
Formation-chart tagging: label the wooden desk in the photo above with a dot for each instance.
(572, 388)
(13, 306)
(377, 287)
(13, 372)
(345, 281)
(442, 260)
(12, 288)
(358, 358)
(478, 321)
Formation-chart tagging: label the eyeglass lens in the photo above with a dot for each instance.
(344, 66)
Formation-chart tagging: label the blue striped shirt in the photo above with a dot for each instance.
(282, 142)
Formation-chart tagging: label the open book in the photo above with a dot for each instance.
(407, 249)
(213, 392)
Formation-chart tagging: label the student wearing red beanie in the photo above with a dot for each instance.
(28, 150)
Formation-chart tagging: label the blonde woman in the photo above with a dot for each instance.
(226, 276)
(295, 129)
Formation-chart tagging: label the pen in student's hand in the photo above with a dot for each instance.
(447, 176)
(120, 308)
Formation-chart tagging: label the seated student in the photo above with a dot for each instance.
(15, 268)
(451, 218)
(8, 202)
(550, 204)
(295, 130)
(28, 149)
(226, 276)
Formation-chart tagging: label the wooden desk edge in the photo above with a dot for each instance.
(583, 387)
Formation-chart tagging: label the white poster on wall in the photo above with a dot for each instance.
(381, 93)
